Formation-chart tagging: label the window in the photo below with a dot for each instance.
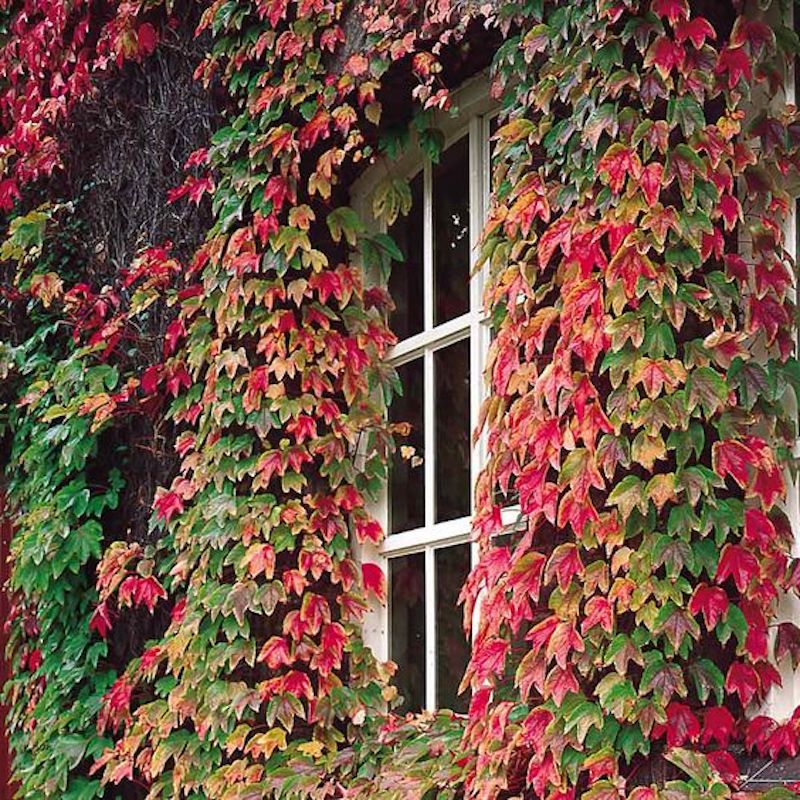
(427, 508)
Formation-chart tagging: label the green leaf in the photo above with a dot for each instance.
(685, 111)
(344, 221)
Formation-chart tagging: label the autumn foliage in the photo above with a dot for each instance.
(640, 414)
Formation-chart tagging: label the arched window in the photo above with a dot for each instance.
(428, 504)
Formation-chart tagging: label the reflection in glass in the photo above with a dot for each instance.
(405, 282)
(451, 250)
(407, 478)
(451, 398)
(452, 649)
(407, 628)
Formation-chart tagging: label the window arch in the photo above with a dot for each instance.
(427, 507)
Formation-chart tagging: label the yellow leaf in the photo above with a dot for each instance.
(267, 743)
(314, 749)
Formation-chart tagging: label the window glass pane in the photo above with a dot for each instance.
(451, 251)
(407, 628)
(405, 282)
(452, 649)
(451, 398)
(407, 479)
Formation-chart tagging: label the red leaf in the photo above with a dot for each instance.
(273, 10)
(629, 265)
(732, 458)
(731, 210)
(543, 775)
(178, 611)
(489, 658)
(598, 611)
(759, 531)
(329, 654)
(651, 178)
(298, 684)
(711, 601)
(734, 61)
(783, 739)
(673, 10)
(34, 660)
(141, 591)
(313, 612)
(167, 504)
(175, 331)
(682, 725)
(743, 681)
(197, 158)
(559, 234)
(534, 727)
(374, 580)
(146, 39)
(151, 378)
(565, 563)
(101, 620)
(768, 314)
(116, 705)
(275, 653)
(696, 30)
(769, 484)
(738, 563)
(756, 642)
(619, 163)
(314, 130)
(719, 726)
(9, 192)
(787, 642)
(759, 729)
(559, 683)
(725, 764)
(665, 55)
(768, 676)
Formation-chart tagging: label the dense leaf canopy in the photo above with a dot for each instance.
(195, 437)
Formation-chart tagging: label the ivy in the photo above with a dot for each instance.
(640, 377)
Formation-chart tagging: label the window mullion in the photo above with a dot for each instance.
(429, 462)
(476, 204)
(427, 256)
(430, 629)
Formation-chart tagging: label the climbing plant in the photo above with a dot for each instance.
(642, 404)
(640, 410)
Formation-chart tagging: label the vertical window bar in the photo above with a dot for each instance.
(429, 465)
(430, 435)
(476, 204)
(427, 194)
(430, 629)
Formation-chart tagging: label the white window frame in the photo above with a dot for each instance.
(475, 111)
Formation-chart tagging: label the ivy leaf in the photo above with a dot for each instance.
(618, 163)
(664, 679)
(695, 765)
(617, 695)
(392, 197)
(682, 725)
(686, 112)
(344, 221)
(711, 602)
(739, 564)
(718, 725)
(787, 642)
(675, 624)
(706, 388)
(742, 680)
(602, 120)
(707, 678)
